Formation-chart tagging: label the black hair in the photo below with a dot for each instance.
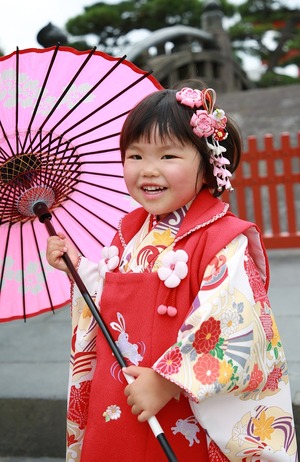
(170, 119)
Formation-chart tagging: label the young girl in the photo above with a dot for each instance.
(183, 288)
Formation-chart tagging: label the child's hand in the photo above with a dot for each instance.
(56, 247)
(149, 393)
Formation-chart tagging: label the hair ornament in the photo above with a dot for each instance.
(190, 97)
(219, 163)
(208, 121)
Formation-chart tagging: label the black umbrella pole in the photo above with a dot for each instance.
(44, 215)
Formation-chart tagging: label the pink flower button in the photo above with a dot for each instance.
(174, 268)
(110, 260)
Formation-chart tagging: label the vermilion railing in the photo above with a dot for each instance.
(267, 190)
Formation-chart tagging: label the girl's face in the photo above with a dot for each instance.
(162, 176)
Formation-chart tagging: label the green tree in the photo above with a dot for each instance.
(110, 23)
(253, 22)
(270, 31)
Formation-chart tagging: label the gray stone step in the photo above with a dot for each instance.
(30, 459)
(32, 428)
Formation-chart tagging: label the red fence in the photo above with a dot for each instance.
(267, 190)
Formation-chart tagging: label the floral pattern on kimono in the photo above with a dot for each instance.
(230, 362)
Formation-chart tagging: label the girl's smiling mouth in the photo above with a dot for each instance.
(153, 189)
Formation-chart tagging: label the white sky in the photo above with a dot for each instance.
(21, 20)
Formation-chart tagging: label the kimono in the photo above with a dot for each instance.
(186, 296)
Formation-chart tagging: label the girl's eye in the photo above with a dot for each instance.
(169, 156)
(134, 156)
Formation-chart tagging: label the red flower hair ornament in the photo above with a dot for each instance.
(209, 122)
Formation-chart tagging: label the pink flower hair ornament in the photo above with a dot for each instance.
(209, 122)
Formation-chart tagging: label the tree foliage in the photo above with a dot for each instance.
(255, 21)
(269, 30)
(110, 23)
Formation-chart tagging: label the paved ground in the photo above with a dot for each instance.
(34, 368)
(30, 459)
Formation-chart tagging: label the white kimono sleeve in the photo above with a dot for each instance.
(82, 358)
(88, 272)
(230, 363)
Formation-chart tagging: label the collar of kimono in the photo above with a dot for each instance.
(151, 242)
(204, 210)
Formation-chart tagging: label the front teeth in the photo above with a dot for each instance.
(153, 188)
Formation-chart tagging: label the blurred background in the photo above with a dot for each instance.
(249, 51)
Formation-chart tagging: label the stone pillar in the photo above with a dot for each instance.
(212, 22)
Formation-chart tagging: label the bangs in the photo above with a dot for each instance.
(157, 116)
(158, 128)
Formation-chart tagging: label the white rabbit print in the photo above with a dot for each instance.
(128, 350)
(188, 428)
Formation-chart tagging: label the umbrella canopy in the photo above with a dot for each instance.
(61, 112)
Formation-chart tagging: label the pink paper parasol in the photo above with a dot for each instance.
(61, 112)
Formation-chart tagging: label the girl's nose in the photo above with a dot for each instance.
(150, 170)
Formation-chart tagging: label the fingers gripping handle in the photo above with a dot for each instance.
(157, 430)
(153, 422)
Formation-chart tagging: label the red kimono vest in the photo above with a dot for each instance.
(130, 301)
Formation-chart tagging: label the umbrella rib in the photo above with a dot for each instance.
(99, 151)
(61, 174)
(66, 231)
(3, 153)
(5, 195)
(65, 144)
(107, 137)
(97, 198)
(106, 122)
(79, 122)
(67, 182)
(120, 60)
(8, 201)
(65, 92)
(49, 178)
(92, 213)
(113, 98)
(90, 130)
(110, 175)
(100, 187)
(6, 139)
(17, 100)
(60, 158)
(40, 94)
(22, 273)
(4, 256)
(81, 225)
(53, 161)
(100, 162)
